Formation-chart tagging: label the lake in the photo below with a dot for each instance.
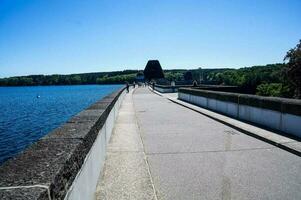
(29, 113)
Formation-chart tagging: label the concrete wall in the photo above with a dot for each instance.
(84, 185)
(166, 89)
(67, 162)
(277, 120)
(173, 89)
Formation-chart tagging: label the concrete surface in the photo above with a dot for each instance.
(290, 144)
(192, 156)
(126, 172)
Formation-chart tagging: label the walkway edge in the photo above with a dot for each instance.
(285, 143)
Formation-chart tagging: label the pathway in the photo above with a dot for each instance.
(181, 154)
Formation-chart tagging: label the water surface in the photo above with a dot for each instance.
(28, 113)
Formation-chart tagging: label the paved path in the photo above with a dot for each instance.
(126, 174)
(190, 156)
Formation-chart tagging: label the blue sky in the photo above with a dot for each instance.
(75, 36)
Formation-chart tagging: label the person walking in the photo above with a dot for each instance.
(127, 87)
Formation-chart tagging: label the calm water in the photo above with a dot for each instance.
(24, 118)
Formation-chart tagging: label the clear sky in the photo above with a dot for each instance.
(74, 36)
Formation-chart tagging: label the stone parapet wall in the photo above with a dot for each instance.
(173, 89)
(168, 88)
(68, 158)
(279, 114)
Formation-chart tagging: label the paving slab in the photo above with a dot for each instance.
(129, 140)
(126, 173)
(254, 174)
(125, 177)
(286, 142)
(192, 156)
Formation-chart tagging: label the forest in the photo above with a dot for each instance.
(71, 79)
(280, 80)
(268, 80)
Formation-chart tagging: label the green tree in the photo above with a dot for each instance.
(120, 79)
(173, 76)
(293, 57)
(25, 81)
(13, 81)
(188, 76)
(75, 80)
(3, 81)
(269, 89)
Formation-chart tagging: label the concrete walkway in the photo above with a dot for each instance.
(190, 156)
(126, 173)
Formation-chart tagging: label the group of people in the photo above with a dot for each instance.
(134, 85)
(194, 84)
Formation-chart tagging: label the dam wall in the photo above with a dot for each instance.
(173, 89)
(280, 114)
(166, 88)
(67, 162)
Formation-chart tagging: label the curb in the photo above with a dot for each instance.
(155, 92)
(285, 146)
(293, 146)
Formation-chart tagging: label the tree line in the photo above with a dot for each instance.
(282, 79)
(72, 79)
(268, 80)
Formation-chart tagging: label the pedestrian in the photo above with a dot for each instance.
(195, 83)
(127, 87)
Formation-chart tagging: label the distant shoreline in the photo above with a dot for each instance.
(116, 77)
(60, 85)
